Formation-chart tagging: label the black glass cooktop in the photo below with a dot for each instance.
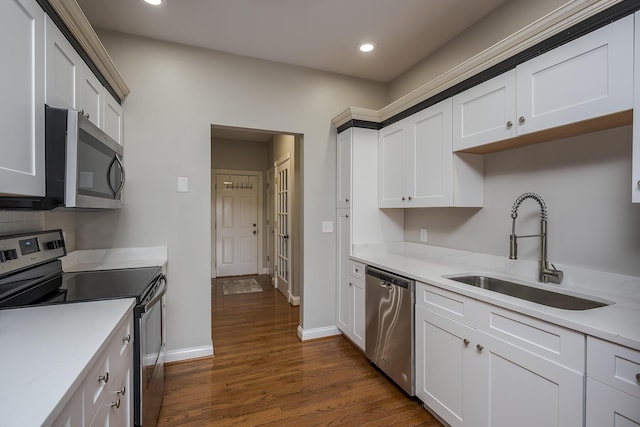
(107, 284)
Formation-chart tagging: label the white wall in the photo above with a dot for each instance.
(507, 19)
(585, 182)
(177, 92)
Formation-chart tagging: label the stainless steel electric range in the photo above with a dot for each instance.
(31, 274)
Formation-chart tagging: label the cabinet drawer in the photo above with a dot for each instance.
(557, 344)
(614, 365)
(608, 407)
(448, 304)
(96, 385)
(357, 269)
(121, 348)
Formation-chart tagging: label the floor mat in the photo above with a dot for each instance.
(239, 286)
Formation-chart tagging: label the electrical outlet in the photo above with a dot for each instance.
(327, 226)
(423, 235)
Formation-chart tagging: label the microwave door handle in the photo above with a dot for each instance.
(124, 176)
(113, 162)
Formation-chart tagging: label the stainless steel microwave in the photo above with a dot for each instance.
(83, 164)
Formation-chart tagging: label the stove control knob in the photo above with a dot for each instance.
(54, 244)
(10, 254)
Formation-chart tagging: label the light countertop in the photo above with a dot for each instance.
(619, 322)
(112, 259)
(47, 351)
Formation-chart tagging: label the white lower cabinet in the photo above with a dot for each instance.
(351, 290)
(105, 397)
(613, 385)
(481, 365)
(635, 158)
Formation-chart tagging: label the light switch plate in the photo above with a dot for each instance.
(327, 226)
(183, 184)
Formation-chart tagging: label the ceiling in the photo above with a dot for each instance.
(318, 34)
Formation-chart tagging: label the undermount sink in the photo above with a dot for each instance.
(529, 293)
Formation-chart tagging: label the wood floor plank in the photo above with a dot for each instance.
(262, 375)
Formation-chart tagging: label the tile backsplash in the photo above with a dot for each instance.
(12, 222)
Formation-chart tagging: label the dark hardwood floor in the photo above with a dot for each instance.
(263, 375)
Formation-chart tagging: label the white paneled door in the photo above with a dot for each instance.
(283, 225)
(236, 225)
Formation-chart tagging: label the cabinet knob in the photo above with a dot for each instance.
(346, 200)
(521, 120)
(466, 342)
(409, 198)
(357, 270)
(480, 348)
(509, 124)
(403, 199)
(104, 378)
(350, 284)
(127, 338)
(116, 404)
(638, 377)
(638, 184)
(346, 215)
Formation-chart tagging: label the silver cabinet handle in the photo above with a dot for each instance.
(509, 124)
(116, 404)
(122, 390)
(104, 378)
(480, 348)
(127, 339)
(521, 120)
(466, 342)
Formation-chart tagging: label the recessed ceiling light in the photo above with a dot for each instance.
(366, 47)
(153, 2)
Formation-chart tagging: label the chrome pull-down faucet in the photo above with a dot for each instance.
(547, 271)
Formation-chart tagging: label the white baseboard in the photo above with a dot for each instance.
(294, 300)
(312, 334)
(189, 353)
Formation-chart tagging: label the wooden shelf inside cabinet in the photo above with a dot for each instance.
(609, 121)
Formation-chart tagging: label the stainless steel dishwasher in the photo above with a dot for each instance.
(389, 310)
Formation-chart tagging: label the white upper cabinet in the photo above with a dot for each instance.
(344, 150)
(635, 165)
(22, 86)
(485, 113)
(112, 117)
(91, 98)
(584, 79)
(64, 70)
(419, 169)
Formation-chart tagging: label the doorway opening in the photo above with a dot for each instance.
(256, 209)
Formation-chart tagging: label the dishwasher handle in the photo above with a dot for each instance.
(390, 278)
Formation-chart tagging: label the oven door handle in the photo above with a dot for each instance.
(141, 309)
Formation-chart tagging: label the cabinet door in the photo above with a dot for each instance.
(63, 69)
(344, 152)
(22, 88)
(585, 78)
(91, 96)
(392, 165)
(485, 113)
(343, 321)
(444, 366)
(635, 160)
(359, 318)
(519, 388)
(112, 117)
(430, 157)
(608, 407)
